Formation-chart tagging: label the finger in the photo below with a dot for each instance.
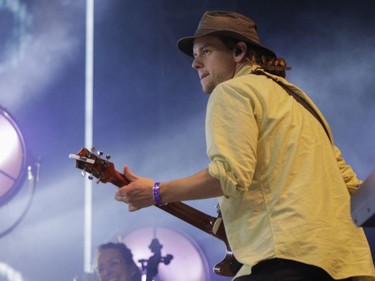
(131, 208)
(121, 196)
(129, 174)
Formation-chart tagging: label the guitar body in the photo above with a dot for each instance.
(104, 171)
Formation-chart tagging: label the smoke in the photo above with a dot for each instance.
(38, 54)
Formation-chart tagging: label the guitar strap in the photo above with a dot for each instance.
(305, 105)
(299, 99)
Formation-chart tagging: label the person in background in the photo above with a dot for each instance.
(115, 262)
(282, 184)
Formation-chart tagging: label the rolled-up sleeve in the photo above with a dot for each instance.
(231, 136)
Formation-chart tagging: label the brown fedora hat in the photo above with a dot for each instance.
(228, 24)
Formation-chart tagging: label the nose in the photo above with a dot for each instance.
(196, 64)
(105, 274)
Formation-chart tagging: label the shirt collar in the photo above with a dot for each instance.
(246, 69)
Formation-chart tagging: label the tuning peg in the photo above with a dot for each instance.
(90, 177)
(83, 173)
(100, 153)
(108, 157)
(93, 149)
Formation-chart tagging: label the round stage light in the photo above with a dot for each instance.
(13, 163)
(186, 260)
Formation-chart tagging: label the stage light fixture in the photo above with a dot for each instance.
(187, 256)
(13, 157)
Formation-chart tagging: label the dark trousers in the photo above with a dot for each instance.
(286, 270)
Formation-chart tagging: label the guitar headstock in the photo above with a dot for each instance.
(89, 162)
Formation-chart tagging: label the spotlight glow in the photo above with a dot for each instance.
(187, 256)
(9, 273)
(12, 157)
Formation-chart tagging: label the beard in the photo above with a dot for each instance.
(208, 87)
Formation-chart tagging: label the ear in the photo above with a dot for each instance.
(239, 51)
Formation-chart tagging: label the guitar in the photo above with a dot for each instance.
(104, 171)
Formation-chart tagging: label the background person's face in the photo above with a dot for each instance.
(112, 267)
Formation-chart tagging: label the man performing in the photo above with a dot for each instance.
(283, 187)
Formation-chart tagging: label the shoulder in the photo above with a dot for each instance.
(248, 85)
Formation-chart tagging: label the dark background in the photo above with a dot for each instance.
(149, 109)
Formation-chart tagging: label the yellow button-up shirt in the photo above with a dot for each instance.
(286, 186)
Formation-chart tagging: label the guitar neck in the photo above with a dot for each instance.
(182, 211)
(190, 215)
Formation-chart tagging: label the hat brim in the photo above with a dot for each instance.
(185, 44)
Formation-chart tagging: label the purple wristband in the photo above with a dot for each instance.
(156, 193)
